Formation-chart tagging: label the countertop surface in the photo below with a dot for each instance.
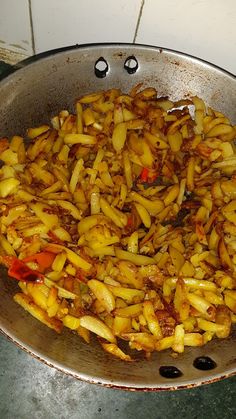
(30, 389)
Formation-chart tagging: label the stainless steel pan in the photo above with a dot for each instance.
(50, 82)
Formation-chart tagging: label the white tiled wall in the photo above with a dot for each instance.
(205, 28)
(15, 30)
(60, 23)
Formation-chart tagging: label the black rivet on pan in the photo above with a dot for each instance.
(131, 64)
(169, 371)
(204, 363)
(101, 68)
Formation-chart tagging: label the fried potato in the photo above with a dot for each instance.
(134, 198)
(103, 294)
(27, 303)
(98, 327)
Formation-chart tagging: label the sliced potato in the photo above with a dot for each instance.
(152, 321)
(103, 294)
(127, 294)
(27, 303)
(130, 311)
(113, 349)
(98, 327)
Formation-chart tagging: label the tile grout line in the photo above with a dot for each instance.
(138, 21)
(31, 27)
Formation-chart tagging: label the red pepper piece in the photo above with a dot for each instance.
(43, 259)
(20, 271)
(144, 175)
(129, 222)
(148, 175)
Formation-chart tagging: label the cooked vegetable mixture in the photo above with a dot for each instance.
(120, 220)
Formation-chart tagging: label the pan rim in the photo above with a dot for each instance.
(49, 53)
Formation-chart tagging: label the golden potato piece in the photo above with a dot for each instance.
(8, 186)
(130, 311)
(152, 321)
(98, 327)
(71, 322)
(102, 293)
(26, 302)
(113, 349)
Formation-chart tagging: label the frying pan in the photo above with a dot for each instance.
(30, 94)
